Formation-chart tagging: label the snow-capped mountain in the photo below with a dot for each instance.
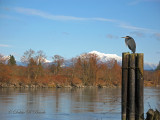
(47, 61)
(19, 63)
(108, 57)
(149, 66)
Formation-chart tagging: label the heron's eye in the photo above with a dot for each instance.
(128, 37)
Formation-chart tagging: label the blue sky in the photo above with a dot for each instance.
(72, 27)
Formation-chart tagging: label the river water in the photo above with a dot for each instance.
(68, 104)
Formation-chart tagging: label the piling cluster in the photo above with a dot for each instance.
(132, 86)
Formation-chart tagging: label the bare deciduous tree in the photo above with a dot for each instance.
(29, 54)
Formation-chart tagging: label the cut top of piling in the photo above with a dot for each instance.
(125, 57)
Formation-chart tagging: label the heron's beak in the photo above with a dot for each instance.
(123, 37)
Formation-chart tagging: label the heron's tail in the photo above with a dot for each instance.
(134, 50)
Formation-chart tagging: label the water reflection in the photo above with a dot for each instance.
(66, 103)
(152, 98)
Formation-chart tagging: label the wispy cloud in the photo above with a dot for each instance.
(46, 15)
(7, 16)
(35, 12)
(134, 2)
(4, 45)
(102, 19)
(65, 33)
(110, 36)
(158, 52)
(157, 36)
(137, 33)
(134, 27)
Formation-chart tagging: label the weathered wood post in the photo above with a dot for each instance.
(131, 87)
(139, 87)
(125, 60)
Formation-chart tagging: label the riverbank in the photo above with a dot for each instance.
(57, 85)
(52, 85)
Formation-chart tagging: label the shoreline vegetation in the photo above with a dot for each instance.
(3, 85)
(83, 71)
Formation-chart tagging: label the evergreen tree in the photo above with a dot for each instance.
(158, 67)
(11, 60)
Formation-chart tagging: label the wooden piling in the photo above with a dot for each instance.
(139, 91)
(131, 87)
(125, 59)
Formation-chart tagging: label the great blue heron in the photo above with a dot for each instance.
(130, 43)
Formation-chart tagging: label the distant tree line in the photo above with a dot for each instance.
(85, 70)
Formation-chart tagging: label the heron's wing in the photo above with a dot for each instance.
(126, 42)
(132, 45)
(129, 47)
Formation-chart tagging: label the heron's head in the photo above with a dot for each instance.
(127, 37)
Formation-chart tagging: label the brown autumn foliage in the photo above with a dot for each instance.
(85, 70)
(5, 73)
(152, 78)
